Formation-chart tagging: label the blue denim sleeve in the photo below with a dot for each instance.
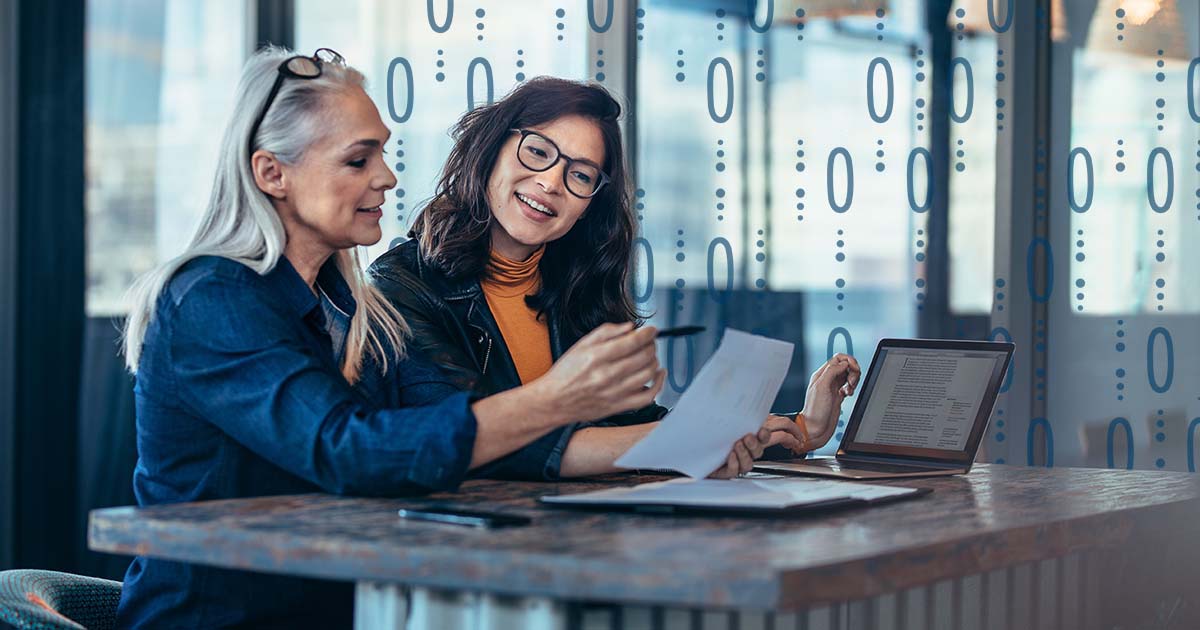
(540, 460)
(243, 364)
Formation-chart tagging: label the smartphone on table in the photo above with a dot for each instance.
(468, 518)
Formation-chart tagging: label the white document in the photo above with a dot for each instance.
(729, 398)
(774, 492)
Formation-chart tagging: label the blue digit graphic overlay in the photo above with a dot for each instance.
(644, 296)
(912, 196)
(719, 296)
(1192, 89)
(766, 25)
(689, 361)
(834, 334)
(966, 66)
(1112, 428)
(887, 73)
(1003, 333)
(712, 107)
(1150, 354)
(843, 207)
(1191, 444)
(596, 26)
(445, 26)
(1030, 280)
(1033, 425)
(408, 90)
(1150, 188)
(1091, 180)
(476, 62)
(1008, 16)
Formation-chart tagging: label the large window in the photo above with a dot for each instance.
(160, 79)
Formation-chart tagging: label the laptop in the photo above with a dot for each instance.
(922, 412)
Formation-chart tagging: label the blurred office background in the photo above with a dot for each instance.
(830, 172)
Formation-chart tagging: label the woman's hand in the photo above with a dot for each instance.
(605, 373)
(828, 387)
(741, 457)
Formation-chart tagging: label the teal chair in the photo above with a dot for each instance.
(49, 600)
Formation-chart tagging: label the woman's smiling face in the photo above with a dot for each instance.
(534, 208)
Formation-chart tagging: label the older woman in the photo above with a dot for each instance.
(526, 246)
(266, 363)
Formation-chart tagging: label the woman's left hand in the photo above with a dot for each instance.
(829, 386)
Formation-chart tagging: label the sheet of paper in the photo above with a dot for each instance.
(729, 398)
(778, 492)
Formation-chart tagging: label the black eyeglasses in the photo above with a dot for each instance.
(298, 67)
(539, 153)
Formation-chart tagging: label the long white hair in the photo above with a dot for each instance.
(241, 224)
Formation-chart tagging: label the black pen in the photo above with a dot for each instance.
(681, 331)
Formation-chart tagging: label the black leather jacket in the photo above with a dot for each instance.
(452, 324)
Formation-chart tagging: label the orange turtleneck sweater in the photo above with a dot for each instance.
(527, 337)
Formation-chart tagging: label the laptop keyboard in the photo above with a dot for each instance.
(833, 464)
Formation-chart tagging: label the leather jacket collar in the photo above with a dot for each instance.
(465, 303)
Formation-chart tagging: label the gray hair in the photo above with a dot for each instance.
(241, 224)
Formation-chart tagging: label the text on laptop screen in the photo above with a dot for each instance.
(926, 398)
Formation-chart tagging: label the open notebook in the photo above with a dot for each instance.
(756, 494)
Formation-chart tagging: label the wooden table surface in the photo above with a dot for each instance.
(995, 517)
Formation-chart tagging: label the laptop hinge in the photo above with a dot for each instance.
(892, 461)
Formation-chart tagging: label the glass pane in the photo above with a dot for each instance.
(159, 80)
(1134, 146)
(978, 67)
(785, 209)
(489, 43)
(1120, 384)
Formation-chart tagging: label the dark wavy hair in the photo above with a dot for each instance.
(586, 273)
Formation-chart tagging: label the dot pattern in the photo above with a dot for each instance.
(520, 75)
(840, 257)
(800, 25)
(1080, 282)
(399, 189)
(760, 257)
(440, 63)
(1120, 373)
(799, 169)
(640, 26)
(919, 247)
(479, 13)
(1160, 283)
(560, 26)
(1000, 103)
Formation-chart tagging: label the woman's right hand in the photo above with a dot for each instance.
(604, 373)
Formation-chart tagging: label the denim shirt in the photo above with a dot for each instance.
(238, 394)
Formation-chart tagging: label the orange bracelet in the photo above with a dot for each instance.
(803, 431)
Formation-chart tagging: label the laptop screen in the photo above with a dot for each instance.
(927, 399)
